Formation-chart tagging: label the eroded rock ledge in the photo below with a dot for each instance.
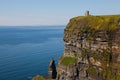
(92, 49)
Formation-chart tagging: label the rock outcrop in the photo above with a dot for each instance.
(52, 69)
(92, 49)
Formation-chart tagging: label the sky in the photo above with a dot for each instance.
(52, 12)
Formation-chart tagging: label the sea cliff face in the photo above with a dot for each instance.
(92, 49)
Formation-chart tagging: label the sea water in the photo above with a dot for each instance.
(26, 52)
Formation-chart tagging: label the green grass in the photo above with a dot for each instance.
(68, 60)
(92, 70)
(38, 77)
(109, 22)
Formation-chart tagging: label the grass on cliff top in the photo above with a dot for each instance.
(68, 60)
(109, 22)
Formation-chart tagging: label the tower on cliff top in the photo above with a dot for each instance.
(87, 13)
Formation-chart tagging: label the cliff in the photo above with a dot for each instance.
(92, 49)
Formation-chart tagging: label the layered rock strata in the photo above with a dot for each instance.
(92, 49)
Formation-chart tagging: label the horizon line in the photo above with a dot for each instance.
(29, 25)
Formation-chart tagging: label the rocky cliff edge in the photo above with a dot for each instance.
(92, 49)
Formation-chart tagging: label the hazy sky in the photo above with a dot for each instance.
(52, 12)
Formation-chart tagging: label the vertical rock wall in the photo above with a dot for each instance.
(95, 42)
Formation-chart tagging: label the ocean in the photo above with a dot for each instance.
(27, 51)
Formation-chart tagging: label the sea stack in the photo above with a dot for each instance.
(52, 69)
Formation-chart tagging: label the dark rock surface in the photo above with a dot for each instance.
(52, 69)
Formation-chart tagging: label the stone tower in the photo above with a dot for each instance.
(87, 13)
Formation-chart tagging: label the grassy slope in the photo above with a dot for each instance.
(96, 22)
(68, 60)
